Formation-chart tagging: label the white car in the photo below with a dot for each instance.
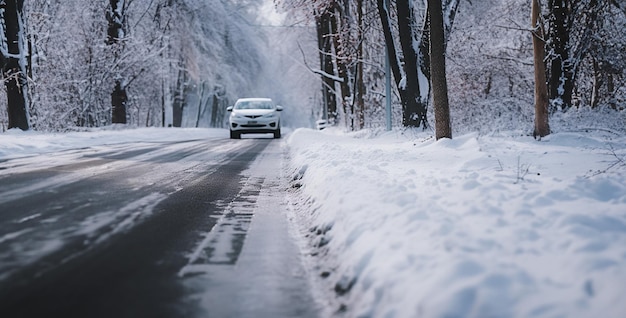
(254, 115)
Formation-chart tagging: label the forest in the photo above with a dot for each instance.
(74, 64)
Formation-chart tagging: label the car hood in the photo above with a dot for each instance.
(256, 112)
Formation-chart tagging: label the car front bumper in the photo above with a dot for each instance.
(256, 125)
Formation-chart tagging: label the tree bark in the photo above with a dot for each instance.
(414, 108)
(360, 85)
(118, 103)
(14, 63)
(416, 63)
(610, 87)
(542, 126)
(324, 38)
(561, 81)
(394, 59)
(449, 9)
(115, 18)
(596, 84)
(342, 61)
(115, 34)
(438, 70)
(179, 96)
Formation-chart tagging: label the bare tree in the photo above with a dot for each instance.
(326, 22)
(359, 81)
(438, 70)
(341, 25)
(575, 38)
(83, 57)
(411, 64)
(115, 35)
(14, 62)
(561, 81)
(347, 31)
(413, 96)
(542, 126)
(406, 79)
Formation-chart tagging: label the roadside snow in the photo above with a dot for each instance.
(476, 226)
(16, 143)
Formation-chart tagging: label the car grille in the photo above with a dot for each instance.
(253, 116)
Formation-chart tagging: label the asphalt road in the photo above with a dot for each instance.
(187, 229)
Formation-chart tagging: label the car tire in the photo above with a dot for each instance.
(277, 133)
(235, 135)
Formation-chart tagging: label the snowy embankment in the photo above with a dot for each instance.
(16, 143)
(476, 226)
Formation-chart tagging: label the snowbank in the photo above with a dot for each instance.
(500, 226)
(17, 143)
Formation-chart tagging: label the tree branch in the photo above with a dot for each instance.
(318, 72)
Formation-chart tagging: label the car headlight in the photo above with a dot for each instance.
(270, 115)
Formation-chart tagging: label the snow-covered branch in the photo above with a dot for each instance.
(318, 71)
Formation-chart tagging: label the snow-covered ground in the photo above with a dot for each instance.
(396, 224)
(401, 225)
(15, 143)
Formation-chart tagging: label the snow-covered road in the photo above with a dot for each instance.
(85, 196)
(166, 224)
(391, 224)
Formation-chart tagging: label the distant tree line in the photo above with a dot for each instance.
(491, 48)
(77, 63)
(13, 60)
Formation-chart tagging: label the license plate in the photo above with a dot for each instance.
(252, 122)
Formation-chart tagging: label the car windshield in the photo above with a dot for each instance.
(254, 104)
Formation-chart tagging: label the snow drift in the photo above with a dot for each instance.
(477, 226)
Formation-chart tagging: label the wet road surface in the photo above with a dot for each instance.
(185, 229)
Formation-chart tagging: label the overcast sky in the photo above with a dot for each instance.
(268, 14)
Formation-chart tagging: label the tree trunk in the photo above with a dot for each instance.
(561, 81)
(179, 95)
(200, 103)
(118, 103)
(438, 70)
(450, 9)
(115, 17)
(324, 38)
(416, 59)
(360, 85)
(597, 83)
(163, 99)
(610, 87)
(214, 105)
(115, 33)
(394, 59)
(542, 127)
(342, 61)
(414, 108)
(14, 63)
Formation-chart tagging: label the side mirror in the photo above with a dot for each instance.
(279, 108)
(229, 108)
